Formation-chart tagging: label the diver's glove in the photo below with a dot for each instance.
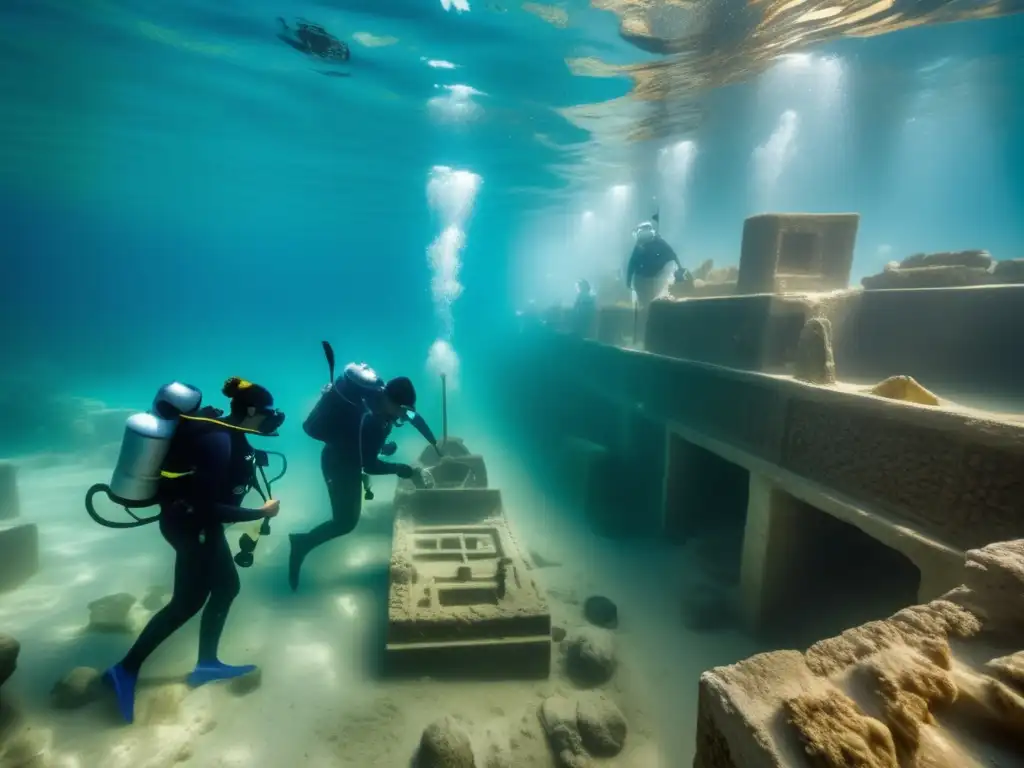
(388, 449)
(404, 471)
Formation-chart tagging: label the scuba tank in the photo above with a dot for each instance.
(147, 440)
(356, 382)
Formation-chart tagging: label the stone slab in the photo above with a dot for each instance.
(19, 554)
(464, 592)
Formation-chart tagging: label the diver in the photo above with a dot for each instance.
(584, 309)
(647, 275)
(353, 418)
(313, 40)
(208, 469)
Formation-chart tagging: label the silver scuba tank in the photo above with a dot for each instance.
(147, 439)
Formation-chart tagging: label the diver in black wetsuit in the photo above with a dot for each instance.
(314, 40)
(353, 419)
(207, 473)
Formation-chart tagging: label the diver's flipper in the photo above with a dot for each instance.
(212, 671)
(124, 689)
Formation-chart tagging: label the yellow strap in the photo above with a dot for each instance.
(175, 475)
(221, 423)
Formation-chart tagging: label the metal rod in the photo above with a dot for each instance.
(444, 408)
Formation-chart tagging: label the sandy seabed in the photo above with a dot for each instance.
(320, 702)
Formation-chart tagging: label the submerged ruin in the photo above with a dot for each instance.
(842, 448)
(462, 599)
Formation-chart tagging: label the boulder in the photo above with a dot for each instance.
(79, 687)
(9, 506)
(815, 362)
(112, 613)
(601, 725)
(9, 650)
(601, 612)
(590, 656)
(558, 715)
(19, 554)
(446, 743)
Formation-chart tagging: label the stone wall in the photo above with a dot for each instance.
(955, 477)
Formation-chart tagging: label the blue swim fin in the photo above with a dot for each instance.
(212, 671)
(124, 689)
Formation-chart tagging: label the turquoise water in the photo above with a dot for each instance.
(185, 197)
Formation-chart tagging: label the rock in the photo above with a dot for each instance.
(156, 598)
(601, 612)
(928, 277)
(557, 634)
(403, 571)
(1009, 271)
(9, 506)
(79, 687)
(971, 259)
(815, 362)
(601, 725)
(709, 608)
(246, 684)
(19, 554)
(112, 613)
(558, 715)
(904, 388)
(590, 656)
(446, 743)
(9, 650)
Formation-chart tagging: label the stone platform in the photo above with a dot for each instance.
(938, 685)
(19, 554)
(462, 599)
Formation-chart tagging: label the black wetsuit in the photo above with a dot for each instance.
(194, 510)
(354, 437)
(649, 259)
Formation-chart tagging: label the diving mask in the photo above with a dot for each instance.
(273, 418)
(644, 232)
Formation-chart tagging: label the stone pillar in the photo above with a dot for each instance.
(773, 551)
(9, 507)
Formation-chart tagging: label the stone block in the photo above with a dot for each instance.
(19, 554)
(797, 252)
(868, 696)
(9, 501)
(462, 600)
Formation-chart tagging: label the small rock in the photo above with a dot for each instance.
(602, 726)
(9, 650)
(246, 684)
(445, 743)
(590, 657)
(156, 598)
(558, 634)
(79, 687)
(112, 613)
(559, 718)
(904, 388)
(815, 362)
(601, 612)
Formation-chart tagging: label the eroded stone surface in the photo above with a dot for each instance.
(19, 554)
(867, 697)
(463, 586)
